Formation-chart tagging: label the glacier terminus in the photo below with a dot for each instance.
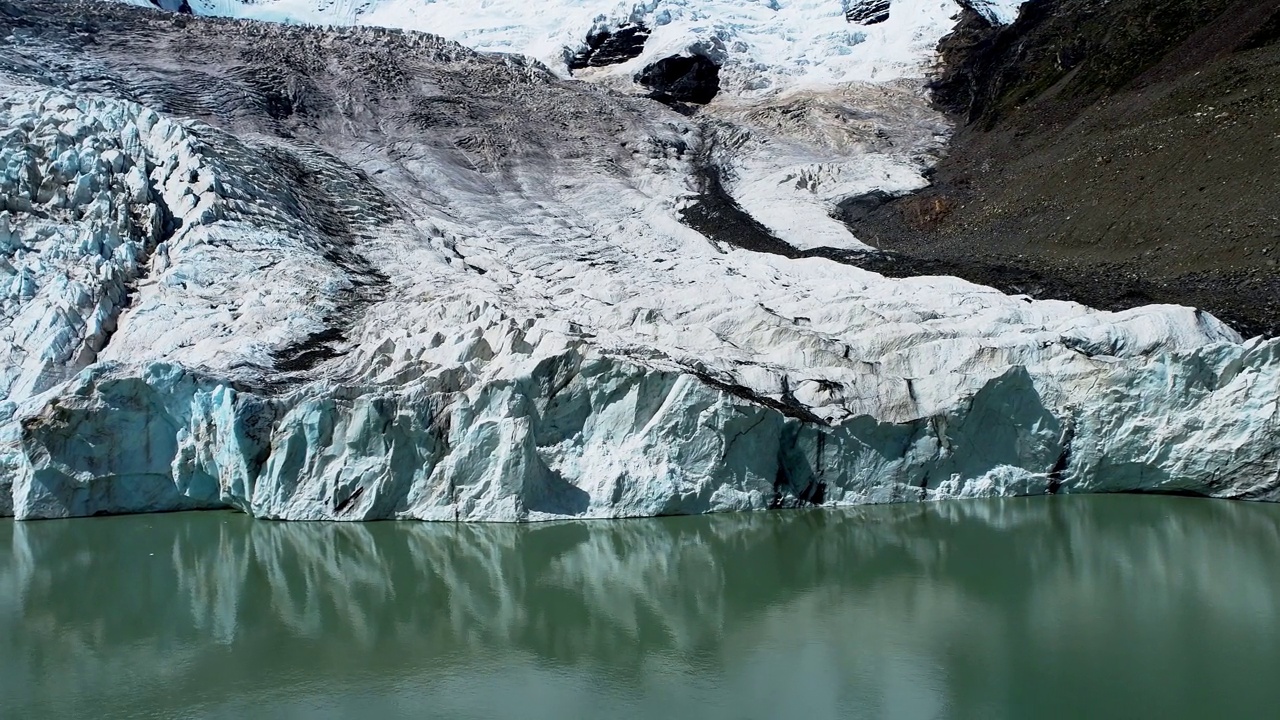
(326, 269)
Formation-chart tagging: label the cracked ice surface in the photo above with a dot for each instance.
(362, 274)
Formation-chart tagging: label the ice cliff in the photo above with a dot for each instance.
(364, 273)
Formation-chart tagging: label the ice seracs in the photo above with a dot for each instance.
(764, 46)
(357, 273)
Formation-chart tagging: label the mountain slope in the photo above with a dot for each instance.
(1116, 153)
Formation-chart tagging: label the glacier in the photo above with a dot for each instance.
(763, 45)
(353, 273)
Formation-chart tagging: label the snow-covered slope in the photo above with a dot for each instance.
(357, 274)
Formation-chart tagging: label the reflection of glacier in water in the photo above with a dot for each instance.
(1169, 607)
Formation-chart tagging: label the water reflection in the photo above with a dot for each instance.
(1147, 606)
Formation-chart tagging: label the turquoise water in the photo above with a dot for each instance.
(1064, 607)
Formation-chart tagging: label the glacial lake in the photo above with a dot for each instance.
(1064, 607)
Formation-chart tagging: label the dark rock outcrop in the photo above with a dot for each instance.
(178, 6)
(856, 209)
(682, 79)
(611, 47)
(866, 12)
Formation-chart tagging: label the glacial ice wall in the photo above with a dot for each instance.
(343, 275)
(576, 436)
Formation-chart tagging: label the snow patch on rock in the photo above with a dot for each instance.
(997, 12)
